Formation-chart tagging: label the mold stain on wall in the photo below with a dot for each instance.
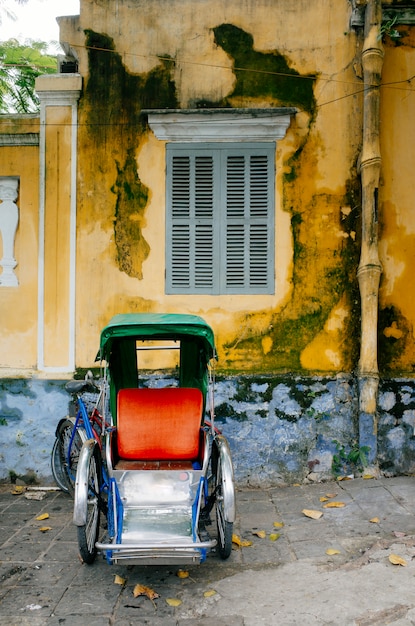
(112, 105)
(324, 268)
(263, 74)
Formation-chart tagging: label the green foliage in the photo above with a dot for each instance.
(388, 29)
(20, 65)
(355, 459)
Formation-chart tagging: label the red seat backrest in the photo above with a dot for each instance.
(159, 424)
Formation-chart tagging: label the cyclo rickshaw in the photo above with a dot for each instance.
(159, 467)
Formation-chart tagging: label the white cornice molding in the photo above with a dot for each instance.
(214, 125)
(58, 89)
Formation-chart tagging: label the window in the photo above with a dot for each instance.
(220, 218)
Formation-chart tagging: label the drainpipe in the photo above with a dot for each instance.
(370, 268)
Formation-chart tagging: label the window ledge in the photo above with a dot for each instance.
(219, 125)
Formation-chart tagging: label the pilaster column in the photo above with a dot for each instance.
(59, 95)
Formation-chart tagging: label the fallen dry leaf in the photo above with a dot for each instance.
(42, 517)
(332, 551)
(333, 505)
(312, 514)
(45, 529)
(182, 573)
(259, 533)
(331, 495)
(323, 499)
(374, 520)
(397, 560)
(278, 524)
(274, 536)
(348, 477)
(242, 543)
(17, 490)
(367, 476)
(118, 580)
(209, 593)
(142, 590)
(173, 601)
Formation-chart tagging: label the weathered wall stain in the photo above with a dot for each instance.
(132, 198)
(263, 74)
(112, 104)
(323, 271)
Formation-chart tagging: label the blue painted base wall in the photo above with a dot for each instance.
(281, 429)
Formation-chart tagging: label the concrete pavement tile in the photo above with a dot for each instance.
(10, 523)
(77, 620)
(10, 574)
(58, 574)
(373, 495)
(400, 523)
(252, 495)
(231, 620)
(86, 601)
(304, 532)
(145, 621)
(257, 507)
(23, 551)
(314, 549)
(268, 552)
(24, 620)
(32, 601)
(390, 510)
(286, 505)
(62, 551)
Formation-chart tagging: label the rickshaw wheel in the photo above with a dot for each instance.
(69, 462)
(58, 470)
(88, 533)
(224, 528)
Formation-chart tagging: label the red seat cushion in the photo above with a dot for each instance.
(159, 424)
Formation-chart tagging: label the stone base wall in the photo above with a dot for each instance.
(281, 429)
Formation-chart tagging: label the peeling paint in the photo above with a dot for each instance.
(115, 96)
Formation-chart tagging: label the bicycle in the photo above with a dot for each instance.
(71, 434)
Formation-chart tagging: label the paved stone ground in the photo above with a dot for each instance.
(291, 580)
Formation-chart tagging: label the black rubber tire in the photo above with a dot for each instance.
(69, 462)
(88, 534)
(58, 471)
(224, 528)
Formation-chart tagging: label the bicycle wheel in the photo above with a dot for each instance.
(225, 498)
(69, 452)
(88, 533)
(58, 470)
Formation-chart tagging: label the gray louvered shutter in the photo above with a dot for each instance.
(220, 218)
(191, 197)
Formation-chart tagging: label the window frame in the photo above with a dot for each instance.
(257, 227)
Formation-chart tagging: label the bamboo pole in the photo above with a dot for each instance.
(370, 268)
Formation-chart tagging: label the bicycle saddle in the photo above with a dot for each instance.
(76, 386)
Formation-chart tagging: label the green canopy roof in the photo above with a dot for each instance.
(157, 326)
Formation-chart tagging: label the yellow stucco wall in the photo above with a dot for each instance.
(397, 245)
(158, 54)
(302, 325)
(18, 305)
